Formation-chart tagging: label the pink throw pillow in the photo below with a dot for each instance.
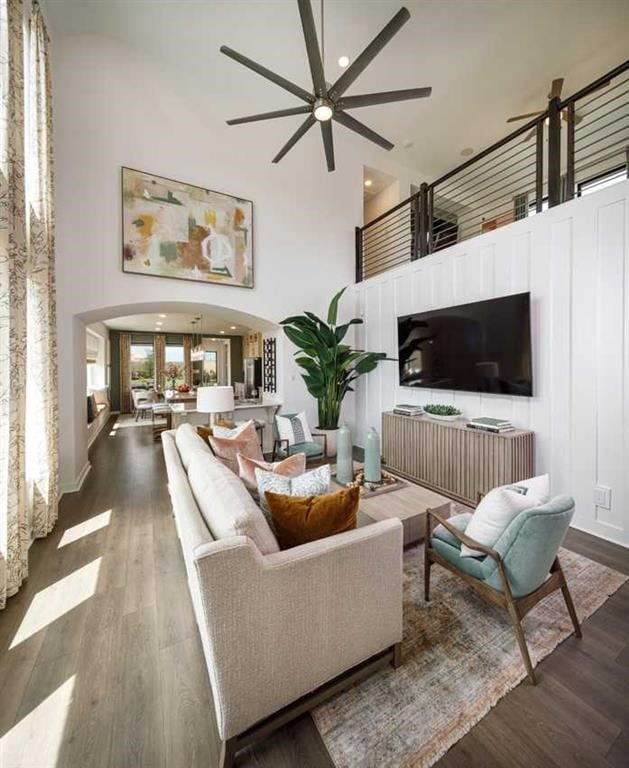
(293, 466)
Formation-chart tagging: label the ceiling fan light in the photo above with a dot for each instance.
(323, 110)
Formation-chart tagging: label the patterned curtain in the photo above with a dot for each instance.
(159, 342)
(14, 522)
(42, 428)
(187, 359)
(125, 372)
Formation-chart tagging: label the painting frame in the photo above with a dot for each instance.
(216, 278)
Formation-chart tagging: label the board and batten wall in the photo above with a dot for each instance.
(574, 260)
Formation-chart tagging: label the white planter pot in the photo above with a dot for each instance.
(331, 435)
(438, 417)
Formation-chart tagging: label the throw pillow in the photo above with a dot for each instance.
(295, 428)
(226, 449)
(316, 482)
(230, 429)
(293, 466)
(204, 432)
(494, 513)
(300, 519)
(539, 486)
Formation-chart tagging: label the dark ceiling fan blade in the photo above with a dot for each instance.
(523, 117)
(303, 128)
(354, 125)
(270, 115)
(555, 88)
(277, 79)
(328, 144)
(312, 47)
(387, 97)
(368, 55)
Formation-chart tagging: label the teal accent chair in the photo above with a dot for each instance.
(521, 569)
(314, 451)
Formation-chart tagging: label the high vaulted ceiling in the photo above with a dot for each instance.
(485, 59)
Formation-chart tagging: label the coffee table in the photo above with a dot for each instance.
(408, 503)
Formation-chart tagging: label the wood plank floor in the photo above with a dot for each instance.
(101, 665)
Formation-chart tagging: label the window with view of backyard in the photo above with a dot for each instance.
(142, 365)
(174, 370)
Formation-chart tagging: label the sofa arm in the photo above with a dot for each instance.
(281, 625)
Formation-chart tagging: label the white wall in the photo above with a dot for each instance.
(114, 108)
(574, 259)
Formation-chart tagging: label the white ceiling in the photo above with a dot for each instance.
(212, 323)
(485, 59)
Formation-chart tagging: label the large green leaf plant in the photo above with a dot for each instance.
(329, 367)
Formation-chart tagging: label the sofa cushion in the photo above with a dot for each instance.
(226, 505)
(293, 466)
(316, 482)
(245, 441)
(188, 443)
(300, 519)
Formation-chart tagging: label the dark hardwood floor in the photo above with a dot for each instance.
(101, 665)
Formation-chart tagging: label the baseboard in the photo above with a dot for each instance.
(599, 535)
(75, 486)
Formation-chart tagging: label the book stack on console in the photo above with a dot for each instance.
(408, 410)
(487, 424)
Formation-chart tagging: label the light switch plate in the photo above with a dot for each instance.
(603, 496)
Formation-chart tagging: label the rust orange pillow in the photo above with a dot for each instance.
(300, 519)
(205, 432)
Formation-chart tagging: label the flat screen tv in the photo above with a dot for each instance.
(479, 347)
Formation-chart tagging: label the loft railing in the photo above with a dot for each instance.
(575, 146)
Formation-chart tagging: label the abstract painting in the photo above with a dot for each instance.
(172, 229)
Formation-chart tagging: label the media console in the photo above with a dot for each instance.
(451, 459)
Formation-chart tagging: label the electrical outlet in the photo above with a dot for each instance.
(603, 496)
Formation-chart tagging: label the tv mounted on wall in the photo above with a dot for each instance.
(479, 347)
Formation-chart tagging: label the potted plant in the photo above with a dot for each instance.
(442, 412)
(329, 366)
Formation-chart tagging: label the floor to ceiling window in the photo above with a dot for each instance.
(174, 370)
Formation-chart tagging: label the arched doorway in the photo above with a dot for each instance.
(223, 322)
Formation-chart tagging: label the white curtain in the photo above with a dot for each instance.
(42, 430)
(28, 445)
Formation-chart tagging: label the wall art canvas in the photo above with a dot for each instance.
(172, 229)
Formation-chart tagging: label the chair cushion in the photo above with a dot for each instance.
(245, 442)
(300, 519)
(312, 450)
(294, 428)
(293, 466)
(226, 505)
(460, 522)
(188, 443)
(494, 513)
(474, 566)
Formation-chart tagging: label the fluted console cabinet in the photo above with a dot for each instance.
(450, 458)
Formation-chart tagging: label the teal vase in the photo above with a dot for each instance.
(344, 464)
(373, 473)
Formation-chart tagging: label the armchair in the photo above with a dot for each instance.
(521, 569)
(314, 450)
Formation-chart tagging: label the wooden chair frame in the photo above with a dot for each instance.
(279, 442)
(517, 608)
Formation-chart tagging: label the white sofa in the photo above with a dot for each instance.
(280, 629)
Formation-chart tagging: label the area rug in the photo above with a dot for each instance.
(122, 422)
(460, 656)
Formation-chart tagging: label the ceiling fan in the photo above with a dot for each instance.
(327, 101)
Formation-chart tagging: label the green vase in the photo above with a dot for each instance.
(373, 473)
(344, 465)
